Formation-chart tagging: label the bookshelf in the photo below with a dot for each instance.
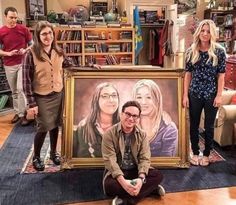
(103, 46)
(224, 20)
(5, 92)
(70, 39)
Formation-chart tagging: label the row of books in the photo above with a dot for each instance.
(108, 60)
(71, 47)
(125, 35)
(76, 60)
(104, 48)
(89, 24)
(64, 35)
(107, 35)
(102, 60)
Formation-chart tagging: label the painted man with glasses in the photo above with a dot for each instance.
(103, 113)
(126, 154)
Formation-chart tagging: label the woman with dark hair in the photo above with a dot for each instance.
(103, 114)
(43, 87)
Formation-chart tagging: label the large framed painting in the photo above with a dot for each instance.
(93, 101)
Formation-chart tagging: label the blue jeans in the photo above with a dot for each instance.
(196, 106)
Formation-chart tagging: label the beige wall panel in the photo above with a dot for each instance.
(19, 5)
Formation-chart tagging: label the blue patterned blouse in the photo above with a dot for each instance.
(204, 75)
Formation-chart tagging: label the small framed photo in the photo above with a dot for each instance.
(94, 96)
(36, 8)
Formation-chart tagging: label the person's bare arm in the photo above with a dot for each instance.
(220, 87)
(187, 80)
(8, 53)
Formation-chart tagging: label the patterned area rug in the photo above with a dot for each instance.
(50, 167)
(214, 155)
(45, 156)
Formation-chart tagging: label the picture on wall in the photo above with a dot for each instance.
(96, 103)
(35, 8)
(186, 6)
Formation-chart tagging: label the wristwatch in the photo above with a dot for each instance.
(143, 179)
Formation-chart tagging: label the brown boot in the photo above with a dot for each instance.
(15, 119)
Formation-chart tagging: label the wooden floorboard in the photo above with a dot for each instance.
(221, 196)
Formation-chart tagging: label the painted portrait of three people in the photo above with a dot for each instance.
(99, 109)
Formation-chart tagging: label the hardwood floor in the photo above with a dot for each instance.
(226, 196)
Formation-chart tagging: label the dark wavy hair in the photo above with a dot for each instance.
(37, 46)
(95, 110)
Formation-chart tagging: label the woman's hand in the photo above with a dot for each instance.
(217, 101)
(32, 112)
(185, 101)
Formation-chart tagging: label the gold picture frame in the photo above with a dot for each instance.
(80, 88)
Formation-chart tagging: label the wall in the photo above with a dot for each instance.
(62, 5)
(55, 5)
(1, 15)
(19, 5)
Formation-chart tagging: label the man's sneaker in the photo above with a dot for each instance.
(117, 201)
(160, 190)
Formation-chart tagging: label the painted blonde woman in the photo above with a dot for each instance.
(161, 130)
(203, 85)
(103, 113)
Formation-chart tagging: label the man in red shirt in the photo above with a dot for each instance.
(15, 40)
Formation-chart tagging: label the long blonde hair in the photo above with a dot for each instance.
(156, 97)
(193, 52)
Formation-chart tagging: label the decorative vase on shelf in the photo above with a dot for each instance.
(110, 16)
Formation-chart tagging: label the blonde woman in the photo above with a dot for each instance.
(161, 130)
(104, 112)
(203, 85)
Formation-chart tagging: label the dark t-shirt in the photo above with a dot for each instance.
(128, 161)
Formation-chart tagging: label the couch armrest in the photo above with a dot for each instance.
(226, 112)
(227, 96)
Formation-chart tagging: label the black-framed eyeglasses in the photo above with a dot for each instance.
(45, 34)
(129, 115)
(107, 96)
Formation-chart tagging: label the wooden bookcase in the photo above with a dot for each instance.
(70, 39)
(104, 46)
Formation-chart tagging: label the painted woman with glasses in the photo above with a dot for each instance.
(104, 112)
(161, 130)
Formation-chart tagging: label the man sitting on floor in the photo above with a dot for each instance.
(126, 154)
